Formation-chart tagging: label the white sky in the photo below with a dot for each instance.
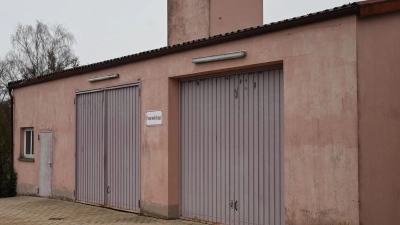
(106, 29)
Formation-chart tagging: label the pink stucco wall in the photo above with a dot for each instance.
(320, 118)
(192, 19)
(378, 42)
(229, 15)
(188, 20)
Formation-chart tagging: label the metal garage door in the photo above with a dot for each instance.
(231, 148)
(107, 147)
(90, 147)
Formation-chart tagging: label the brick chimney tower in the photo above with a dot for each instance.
(195, 19)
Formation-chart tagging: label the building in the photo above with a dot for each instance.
(298, 121)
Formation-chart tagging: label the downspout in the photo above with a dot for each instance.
(10, 92)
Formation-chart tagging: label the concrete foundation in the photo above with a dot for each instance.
(159, 211)
(27, 189)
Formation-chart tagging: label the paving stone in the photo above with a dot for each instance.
(24, 210)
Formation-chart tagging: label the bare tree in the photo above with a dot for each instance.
(38, 50)
(6, 75)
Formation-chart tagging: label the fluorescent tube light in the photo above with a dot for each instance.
(229, 55)
(93, 79)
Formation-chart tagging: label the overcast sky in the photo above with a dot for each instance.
(106, 29)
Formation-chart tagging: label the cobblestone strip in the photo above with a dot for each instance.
(23, 210)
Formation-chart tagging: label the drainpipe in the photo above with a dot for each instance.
(10, 92)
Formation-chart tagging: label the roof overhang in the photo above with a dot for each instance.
(364, 8)
(374, 7)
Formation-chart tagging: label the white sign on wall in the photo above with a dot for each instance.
(153, 118)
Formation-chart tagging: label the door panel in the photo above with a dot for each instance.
(123, 148)
(231, 153)
(232, 145)
(46, 161)
(90, 186)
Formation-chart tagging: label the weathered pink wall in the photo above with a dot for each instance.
(188, 20)
(320, 119)
(44, 108)
(229, 15)
(378, 41)
(193, 19)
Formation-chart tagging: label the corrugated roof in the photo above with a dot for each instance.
(343, 10)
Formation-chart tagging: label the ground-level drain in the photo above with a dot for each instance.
(56, 218)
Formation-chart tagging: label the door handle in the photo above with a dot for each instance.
(236, 205)
(108, 190)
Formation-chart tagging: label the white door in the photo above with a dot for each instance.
(46, 161)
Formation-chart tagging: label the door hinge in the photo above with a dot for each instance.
(38, 137)
(38, 190)
(139, 203)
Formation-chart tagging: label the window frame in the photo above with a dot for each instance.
(31, 155)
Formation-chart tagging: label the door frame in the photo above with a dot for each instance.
(233, 72)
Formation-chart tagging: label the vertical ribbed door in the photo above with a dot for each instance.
(90, 147)
(123, 132)
(231, 148)
(108, 147)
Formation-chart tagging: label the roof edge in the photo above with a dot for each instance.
(374, 7)
(336, 12)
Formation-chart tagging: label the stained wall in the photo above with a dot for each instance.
(193, 19)
(232, 15)
(378, 50)
(320, 119)
(188, 20)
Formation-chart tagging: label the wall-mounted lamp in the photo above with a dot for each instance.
(229, 55)
(93, 79)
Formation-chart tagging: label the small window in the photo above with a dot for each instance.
(28, 143)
